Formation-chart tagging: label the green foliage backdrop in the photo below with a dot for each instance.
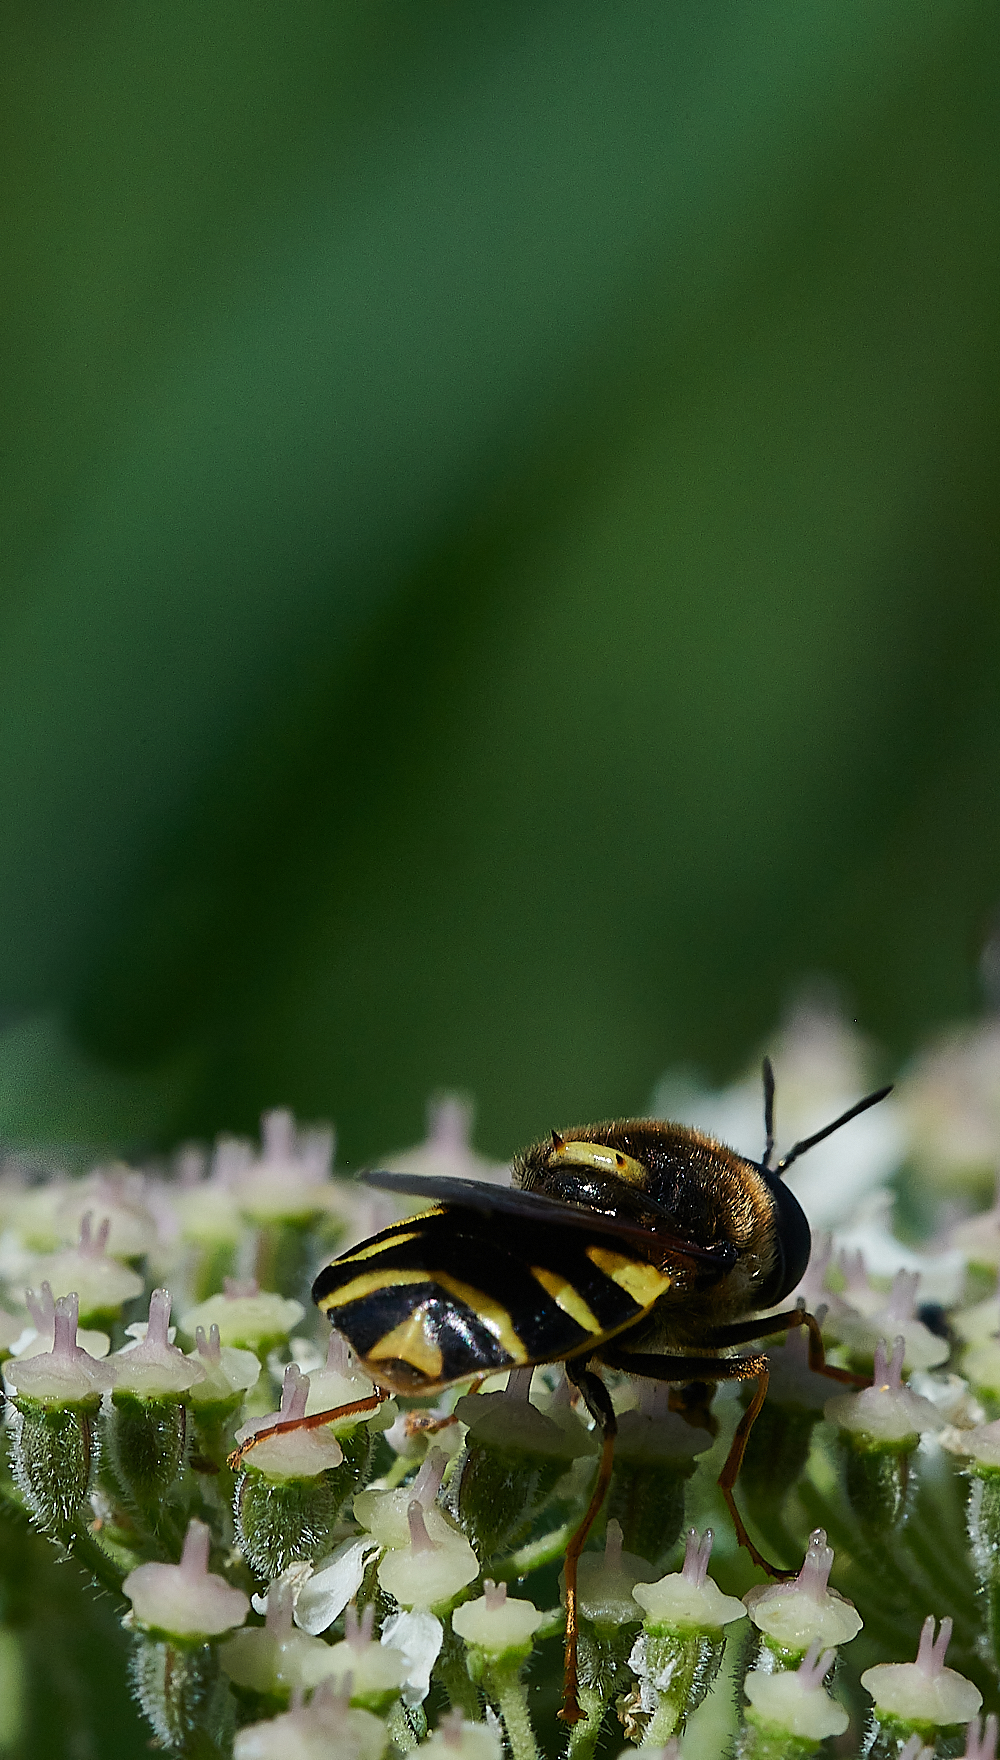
(500, 517)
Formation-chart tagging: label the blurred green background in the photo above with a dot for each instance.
(499, 519)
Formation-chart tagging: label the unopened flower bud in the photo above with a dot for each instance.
(795, 1616)
(794, 1702)
(924, 1696)
(186, 1600)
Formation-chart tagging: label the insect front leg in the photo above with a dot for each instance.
(748, 1331)
(598, 1401)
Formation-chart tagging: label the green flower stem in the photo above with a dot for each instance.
(506, 1690)
(583, 1735)
(757, 1742)
(453, 1674)
(90, 1554)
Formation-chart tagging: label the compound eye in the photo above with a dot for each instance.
(597, 1156)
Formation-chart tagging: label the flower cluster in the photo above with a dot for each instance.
(391, 1577)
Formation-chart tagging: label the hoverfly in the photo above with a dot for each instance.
(636, 1244)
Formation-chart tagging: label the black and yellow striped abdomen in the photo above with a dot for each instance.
(453, 1293)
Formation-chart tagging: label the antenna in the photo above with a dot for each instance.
(828, 1130)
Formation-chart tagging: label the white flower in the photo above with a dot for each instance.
(295, 1453)
(101, 1283)
(797, 1615)
(688, 1600)
(65, 1375)
(154, 1368)
(924, 1691)
(887, 1412)
(496, 1624)
(186, 1599)
(419, 1636)
(794, 1700)
(249, 1318)
(334, 1582)
(328, 1728)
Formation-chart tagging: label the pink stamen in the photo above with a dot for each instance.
(93, 1247)
(887, 1375)
(449, 1125)
(65, 1318)
(494, 1594)
(697, 1552)
(236, 1288)
(420, 1540)
(451, 1726)
(41, 1307)
(613, 1545)
(194, 1557)
(854, 1270)
(427, 1483)
(280, 1602)
(211, 1347)
(277, 1135)
(358, 1632)
(519, 1383)
(931, 1652)
(159, 1319)
(903, 1297)
(294, 1393)
(981, 1741)
(815, 1666)
(339, 1356)
(817, 1565)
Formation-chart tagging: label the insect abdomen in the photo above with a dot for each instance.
(432, 1299)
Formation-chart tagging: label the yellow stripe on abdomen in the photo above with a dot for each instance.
(643, 1282)
(567, 1298)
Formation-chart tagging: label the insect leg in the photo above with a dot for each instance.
(599, 1405)
(658, 1368)
(742, 1332)
(314, 1420)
